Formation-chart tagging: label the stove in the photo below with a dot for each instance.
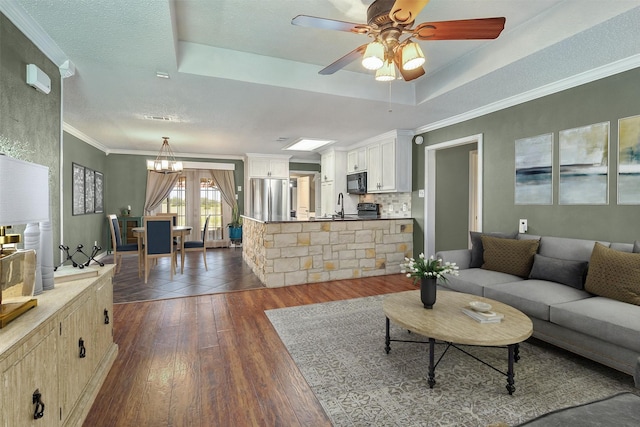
(368, 210)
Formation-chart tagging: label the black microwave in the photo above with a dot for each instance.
(357, 183)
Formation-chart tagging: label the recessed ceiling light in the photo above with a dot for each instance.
(307, 144)
(162, 75)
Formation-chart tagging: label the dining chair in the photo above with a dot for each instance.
(119, 248)
(158, 243)
(195, 245)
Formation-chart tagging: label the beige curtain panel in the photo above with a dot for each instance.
(159, 185)
(226, 183)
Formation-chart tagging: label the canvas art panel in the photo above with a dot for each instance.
(629, 161)
(584, 165)
(534, 170)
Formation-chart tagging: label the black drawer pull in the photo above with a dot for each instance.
(106, 316)
(37, 400)
(83, 350)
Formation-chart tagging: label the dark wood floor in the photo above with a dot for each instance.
(215, 360)
(226, 272)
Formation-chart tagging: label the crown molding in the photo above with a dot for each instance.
(598, 73)
(84, 137)
(33, 31)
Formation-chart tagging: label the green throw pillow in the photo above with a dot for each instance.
(476, 245)
(614, 274)
(509, 256)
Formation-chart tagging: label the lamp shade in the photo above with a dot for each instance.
(412, 56)
(24, 192)
(386, 73)
(373, 57)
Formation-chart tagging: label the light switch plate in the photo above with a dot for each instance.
(421, 192)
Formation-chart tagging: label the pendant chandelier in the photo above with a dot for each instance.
(165, 162)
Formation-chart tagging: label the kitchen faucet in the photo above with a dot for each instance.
(341, 203)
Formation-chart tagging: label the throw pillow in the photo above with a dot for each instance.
(477, 249)
(509, 256)
(636, 247)
(614, 274)
(567, 272)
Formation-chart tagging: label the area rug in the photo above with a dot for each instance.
(339, 348)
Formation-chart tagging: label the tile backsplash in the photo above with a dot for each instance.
(391, 204)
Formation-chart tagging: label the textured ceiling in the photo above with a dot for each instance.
(242, 76)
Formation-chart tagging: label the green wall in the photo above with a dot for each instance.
(604, 100)
(30, 120)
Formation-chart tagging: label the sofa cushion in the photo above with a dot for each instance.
(604, 318)
(623, 247)
(566, 248)
(473, 280)
(614, 274)
(476, 245)
(567, 272)
(509, 256)
(534, 297)
(636, 247)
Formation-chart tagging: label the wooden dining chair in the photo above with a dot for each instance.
(195, 245)
(119, 248)
(158, 243)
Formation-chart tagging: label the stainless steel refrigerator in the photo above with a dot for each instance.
(269, 199)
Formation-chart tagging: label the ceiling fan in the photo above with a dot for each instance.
(387, 22)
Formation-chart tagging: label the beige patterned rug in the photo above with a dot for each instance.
(339, 348)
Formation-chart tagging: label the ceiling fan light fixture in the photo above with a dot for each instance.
(386, 73)
(373, 57)
(412, 56)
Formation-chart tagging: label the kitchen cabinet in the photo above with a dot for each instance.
(328, 166)
(268, 167)
(63, 348)
(328, 198)
(357, 160)
(389, 166)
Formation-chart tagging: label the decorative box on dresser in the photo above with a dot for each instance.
(58, 352)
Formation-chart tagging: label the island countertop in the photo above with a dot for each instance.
(347, 217)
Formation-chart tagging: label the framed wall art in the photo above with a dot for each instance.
(88, 190)
(584, 165)
(534, 170)
(629, 161)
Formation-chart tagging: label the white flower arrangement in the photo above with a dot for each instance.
(431, 267)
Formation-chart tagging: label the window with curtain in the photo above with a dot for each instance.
(177, 201)
(193, 197)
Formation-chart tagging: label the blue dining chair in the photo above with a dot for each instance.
(195, 245)
(158, 243)
(118, 247)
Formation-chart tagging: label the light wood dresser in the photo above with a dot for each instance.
(58, 354)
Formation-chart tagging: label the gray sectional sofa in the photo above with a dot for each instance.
(553, 295)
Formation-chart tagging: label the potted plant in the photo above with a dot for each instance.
(235, 226)
(426, 272)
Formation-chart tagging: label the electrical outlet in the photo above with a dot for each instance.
(404, 207)
(421, 192)
(390, 208)
(523, 226)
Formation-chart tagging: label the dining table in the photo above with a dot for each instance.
(179, 231)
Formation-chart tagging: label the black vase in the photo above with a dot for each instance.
(428, 291)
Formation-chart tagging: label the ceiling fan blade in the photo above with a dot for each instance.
(344, 61)
(406, 11)
(464, 29)
(329, 24)
(407, 75)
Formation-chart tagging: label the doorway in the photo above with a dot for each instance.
(302, 186)
(475, 190)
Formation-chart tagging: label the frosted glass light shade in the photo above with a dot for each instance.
(386, 73)
(24, 192)
(373, 57)
(412, 57)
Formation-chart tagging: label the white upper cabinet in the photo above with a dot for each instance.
(268, 167)
(328, 166)
(357, 160)
(389, 164)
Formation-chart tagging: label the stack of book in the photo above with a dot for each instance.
(484, 316)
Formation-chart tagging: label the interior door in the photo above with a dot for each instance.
(302, 208)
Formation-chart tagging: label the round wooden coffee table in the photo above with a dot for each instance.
(446, 322)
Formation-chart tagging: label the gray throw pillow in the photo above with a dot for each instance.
(636, 247)
(570, 273)
(477, 249)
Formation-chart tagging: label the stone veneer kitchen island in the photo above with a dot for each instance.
(283, 253)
